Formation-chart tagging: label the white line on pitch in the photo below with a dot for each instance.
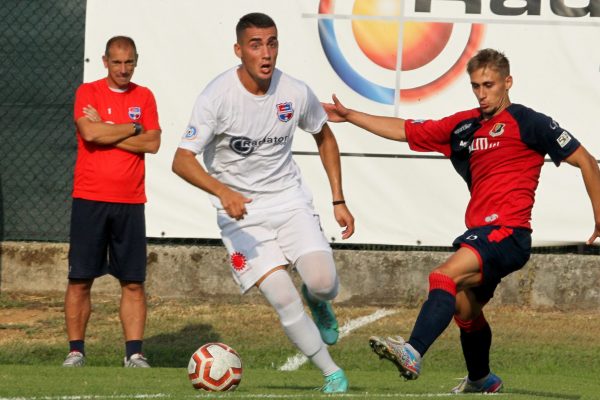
(294, 362)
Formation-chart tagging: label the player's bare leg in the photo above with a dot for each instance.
(77, 314)
(133, 318)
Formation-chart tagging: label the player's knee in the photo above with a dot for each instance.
(443, 282)
(471, 325)
(319, 275)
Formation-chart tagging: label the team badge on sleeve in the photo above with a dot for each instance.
(190, 133)
(285, 111)
(135, 113)
(563, 139)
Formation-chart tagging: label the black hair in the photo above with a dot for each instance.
(256, 19)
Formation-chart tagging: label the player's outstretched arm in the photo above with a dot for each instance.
(330, 158)
(590, 172)
(387, 127)
(187, 167)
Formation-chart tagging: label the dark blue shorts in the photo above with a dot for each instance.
(107, 238)
(501, 250)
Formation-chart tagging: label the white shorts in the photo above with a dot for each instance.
(260, 242)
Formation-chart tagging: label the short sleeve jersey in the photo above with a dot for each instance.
(246, 140)
(106, 173)
(500, 158)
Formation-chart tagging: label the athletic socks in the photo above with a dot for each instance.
(476, 340)
(77, 345)
(133, 347)
(280, 292)
(436, 313)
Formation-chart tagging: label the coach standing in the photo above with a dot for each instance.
(117, 123)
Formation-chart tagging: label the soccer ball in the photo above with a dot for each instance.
(215, 367)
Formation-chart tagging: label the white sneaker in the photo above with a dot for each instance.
(136, 361)
(74, 359)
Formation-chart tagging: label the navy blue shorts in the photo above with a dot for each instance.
(501, 250)
(107, 238)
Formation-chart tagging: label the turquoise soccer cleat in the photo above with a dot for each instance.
(324, 318)
(336, 383)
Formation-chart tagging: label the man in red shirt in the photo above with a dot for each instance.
(117, 123)
(499, 149)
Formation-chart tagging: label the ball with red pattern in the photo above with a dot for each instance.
(215, 367)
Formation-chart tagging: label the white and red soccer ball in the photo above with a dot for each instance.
(215, 367)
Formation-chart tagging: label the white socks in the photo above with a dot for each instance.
(280, 292)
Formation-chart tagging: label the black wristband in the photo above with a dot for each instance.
(336, 202)
(137, 128)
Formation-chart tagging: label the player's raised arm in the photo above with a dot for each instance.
(387, 127)
(590, 172)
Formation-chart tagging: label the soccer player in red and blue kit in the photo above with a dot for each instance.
(499, 149)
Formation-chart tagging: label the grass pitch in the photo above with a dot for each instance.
(539, 354)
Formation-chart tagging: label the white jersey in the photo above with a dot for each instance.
(246, 140)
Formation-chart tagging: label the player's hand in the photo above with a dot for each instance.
(344, 219)
(234, 204)
(595, 235)
(336, 112)
(91, 113)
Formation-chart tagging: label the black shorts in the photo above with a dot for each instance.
(107, 238)
(501, 251)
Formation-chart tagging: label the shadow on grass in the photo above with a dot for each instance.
(546, 395)
(173, 350)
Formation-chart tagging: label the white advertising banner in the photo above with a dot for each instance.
(389, 57)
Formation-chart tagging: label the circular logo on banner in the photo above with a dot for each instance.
(375, 32)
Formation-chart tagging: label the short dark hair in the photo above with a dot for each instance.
(489, 58)
(256, 19)
(123, 41)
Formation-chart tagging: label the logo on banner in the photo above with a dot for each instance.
(376, 36)
(135, 113)
(285, 112)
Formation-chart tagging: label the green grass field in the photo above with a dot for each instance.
(539, 355)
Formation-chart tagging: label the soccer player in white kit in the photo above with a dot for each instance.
(243, 124)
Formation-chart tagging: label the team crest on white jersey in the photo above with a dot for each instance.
(285, 111)
(135, 113)
(497, 130)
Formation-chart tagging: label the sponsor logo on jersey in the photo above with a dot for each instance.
(285, 111)
(553, 124)
(190, 133)
(497, 130)
(245, 146)
(482, 143)
(472, 237)
(238, 261)
(135, 113)
(563, 139)
(462, 128)
(463, 143)
(491, 218)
